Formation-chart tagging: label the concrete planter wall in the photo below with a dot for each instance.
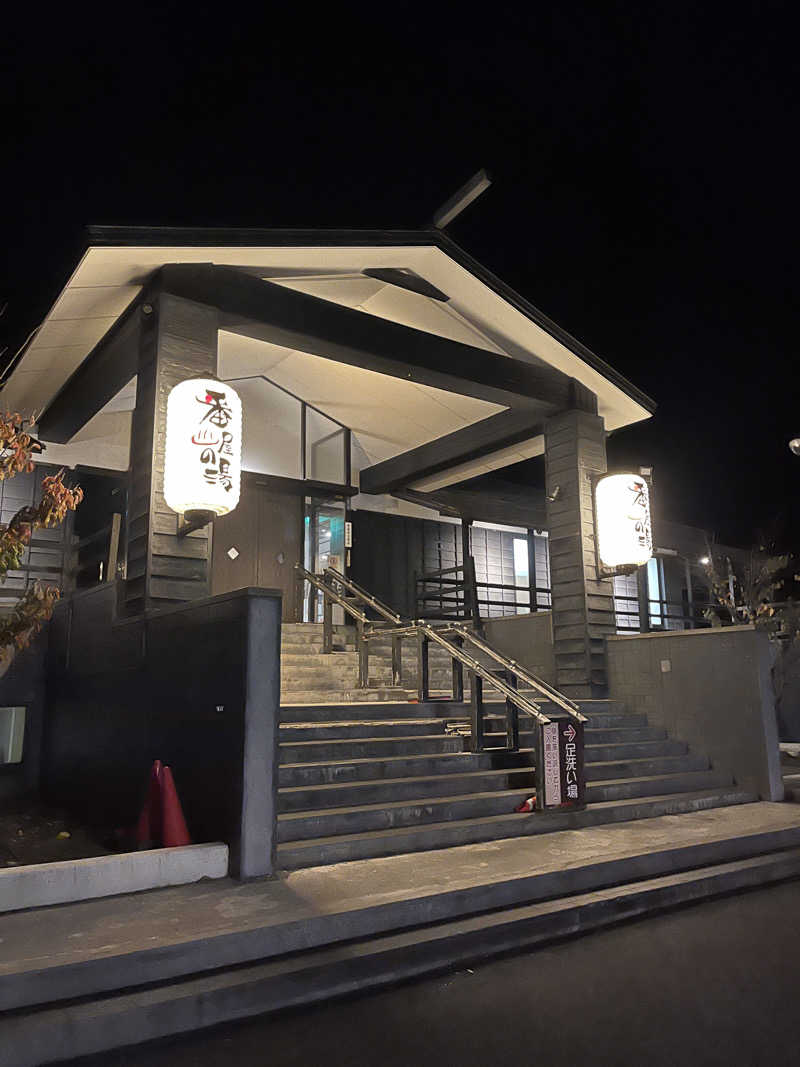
(712, 688)
(528, 639)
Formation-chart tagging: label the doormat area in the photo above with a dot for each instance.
(44, 835)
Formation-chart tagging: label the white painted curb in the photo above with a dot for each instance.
(65, 881)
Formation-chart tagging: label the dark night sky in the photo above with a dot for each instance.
(644, 169)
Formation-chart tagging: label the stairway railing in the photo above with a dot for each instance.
(452, 637)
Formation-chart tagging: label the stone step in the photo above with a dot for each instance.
(332, 730)
(291, 713)
(366, 748)
(327, 772)
(601, 753)
(655, 785)
(359, 945)
(592, 736)
(339, 731)
(367, 818)
(636, 768)
(361, 815)
(304, 697)
(348, 847)
(353, 794)
(495, 721)
(290, 660)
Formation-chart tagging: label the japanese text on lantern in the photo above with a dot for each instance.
(213, 438)
(203, 447)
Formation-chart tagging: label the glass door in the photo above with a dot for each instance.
(324, 547)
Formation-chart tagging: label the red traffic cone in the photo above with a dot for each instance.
(148, 828)
(173, 825)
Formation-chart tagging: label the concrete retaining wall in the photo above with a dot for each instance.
(711, 688)
(40, 884)
(528, 639)
(196, 686)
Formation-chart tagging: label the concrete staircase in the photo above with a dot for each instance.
(309, 676)
(361, 777)
(211, 953)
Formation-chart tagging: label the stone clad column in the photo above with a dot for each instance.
(177, 340)
(583, 605)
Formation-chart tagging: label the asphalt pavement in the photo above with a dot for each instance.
(713, 984)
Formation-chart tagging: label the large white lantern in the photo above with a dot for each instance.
(202, 469)
(624, 529)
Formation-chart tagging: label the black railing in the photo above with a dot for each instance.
(447, 594)
(659, 615)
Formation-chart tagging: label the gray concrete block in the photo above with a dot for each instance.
(42, 884)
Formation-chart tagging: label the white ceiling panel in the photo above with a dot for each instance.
(94, 302)
(348, 291)
(61, 332)
(423, 313)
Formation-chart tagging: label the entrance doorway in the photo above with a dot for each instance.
(324, 547)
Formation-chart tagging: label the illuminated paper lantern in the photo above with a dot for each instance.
(624, 529)
(202, 470)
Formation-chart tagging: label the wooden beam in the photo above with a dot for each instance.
(505, 503)
(480, 439)
(270, 312)
(108, 368)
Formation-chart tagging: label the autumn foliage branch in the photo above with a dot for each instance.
(35, 607)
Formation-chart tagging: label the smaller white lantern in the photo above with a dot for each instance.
(202, 469)
(624, 529)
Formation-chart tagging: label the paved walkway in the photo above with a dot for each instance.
(708, 986)
(189, 928)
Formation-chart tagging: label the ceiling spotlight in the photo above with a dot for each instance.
(704, 561)
(794, 445)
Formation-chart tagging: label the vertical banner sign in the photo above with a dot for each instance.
(552, 771)
(562, 755)
(202, 468)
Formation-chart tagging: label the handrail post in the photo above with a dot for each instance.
(512, 715)
(363, 656)
(397, 660)
(476, 712)
(458, 673)
(327, 624)
(423, 683)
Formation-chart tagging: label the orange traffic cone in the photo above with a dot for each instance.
(174, 830)
(148, 828)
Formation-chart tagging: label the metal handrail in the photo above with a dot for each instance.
(318, 583)
(451, 638)
(543, 687)
(440, 635)
(530, 707)
(367, 598)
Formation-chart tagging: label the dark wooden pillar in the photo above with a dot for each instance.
(178, 340)
(583, 605)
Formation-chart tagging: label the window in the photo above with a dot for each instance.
(271, 422)
(655, 592)
(272, 442)
(325, 447)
